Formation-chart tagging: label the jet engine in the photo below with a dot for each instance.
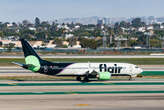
(104, 76)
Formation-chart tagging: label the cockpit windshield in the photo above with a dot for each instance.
(136, 67)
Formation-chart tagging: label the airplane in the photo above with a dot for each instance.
(82, 71)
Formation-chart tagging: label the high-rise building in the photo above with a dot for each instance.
(100, 22)
(103, 21)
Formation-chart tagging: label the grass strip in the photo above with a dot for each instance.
(137, 61)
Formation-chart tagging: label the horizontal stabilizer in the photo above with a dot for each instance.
(19, 64)
(29, 66)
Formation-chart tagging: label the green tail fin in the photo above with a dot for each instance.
(27, 49)
(31, 57)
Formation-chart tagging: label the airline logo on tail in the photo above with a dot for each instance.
(33, 62)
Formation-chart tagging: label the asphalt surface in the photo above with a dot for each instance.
(140, 94)
(83, 102)
(72, 95)
(16, 69)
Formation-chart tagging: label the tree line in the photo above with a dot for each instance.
(90, 36)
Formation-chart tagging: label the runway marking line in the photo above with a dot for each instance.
(82, 104)
(72, 93)
(13, 84)
(79, 92)
(81, 84)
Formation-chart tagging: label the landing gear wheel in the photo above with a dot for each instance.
(85, 79)
(130, 78)
(78, 78)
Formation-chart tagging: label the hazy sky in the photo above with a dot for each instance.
(18, 10)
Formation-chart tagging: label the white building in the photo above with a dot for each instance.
(67, 36)
(162, 27)
(32, 28)
(141, 29)
(76, 46)
(77, 27)
(150, 28)
(50, 44)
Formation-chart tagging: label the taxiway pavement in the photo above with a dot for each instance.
(72, 95)
(18, 70)
(140, 94)
(83, 102)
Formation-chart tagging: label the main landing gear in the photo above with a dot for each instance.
(82, 79)
(78, 78)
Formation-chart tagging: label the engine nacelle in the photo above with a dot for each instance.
(104, 76)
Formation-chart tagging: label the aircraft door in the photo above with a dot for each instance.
(131, 69)
(92, 67)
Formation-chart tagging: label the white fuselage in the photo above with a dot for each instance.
(113, 68)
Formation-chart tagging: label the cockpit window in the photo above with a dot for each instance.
(136, 67)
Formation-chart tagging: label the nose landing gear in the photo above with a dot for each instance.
(130, 78)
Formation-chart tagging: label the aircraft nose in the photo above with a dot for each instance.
(141, 70)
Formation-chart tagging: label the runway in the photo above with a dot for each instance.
(16, 69)
(143, 94)
(83, 102)
(72, 95)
